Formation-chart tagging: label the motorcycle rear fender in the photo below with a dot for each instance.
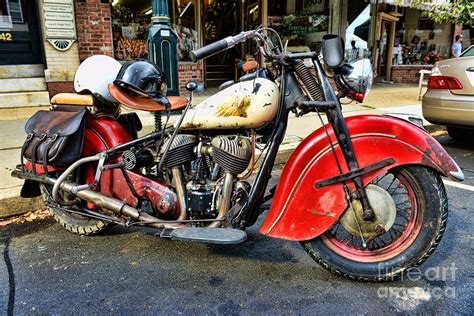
(300, 211)
(100, 134)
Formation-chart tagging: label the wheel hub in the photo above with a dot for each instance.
(384, 209)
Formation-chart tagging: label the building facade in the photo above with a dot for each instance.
(44, 41)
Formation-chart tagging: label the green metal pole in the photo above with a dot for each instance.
(162, 44)
(160, 12)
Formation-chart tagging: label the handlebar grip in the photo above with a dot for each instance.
(209, 50)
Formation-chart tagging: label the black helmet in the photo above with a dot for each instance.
(141, 77)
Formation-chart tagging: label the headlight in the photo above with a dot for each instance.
(359, 81)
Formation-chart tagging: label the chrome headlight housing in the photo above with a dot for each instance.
(356, 84)
(360, 80)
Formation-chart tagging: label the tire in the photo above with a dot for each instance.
(76, 224)
(461, 134)
(426, 218)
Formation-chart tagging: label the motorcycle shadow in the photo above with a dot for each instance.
(261, 248)
(449, 142)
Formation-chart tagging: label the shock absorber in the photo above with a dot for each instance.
(157, 116)
(309, 81)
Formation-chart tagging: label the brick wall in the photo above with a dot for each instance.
(189, 72)
(408, 73)
(94, 28)
(60, 87)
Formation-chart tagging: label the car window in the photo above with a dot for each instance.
(469, 52)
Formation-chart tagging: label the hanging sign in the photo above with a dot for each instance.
(59, 23)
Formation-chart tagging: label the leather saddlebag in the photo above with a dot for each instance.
(54, 138)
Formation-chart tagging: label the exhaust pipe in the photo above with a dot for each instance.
(114, 205)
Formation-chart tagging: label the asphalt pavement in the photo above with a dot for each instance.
(46, 270)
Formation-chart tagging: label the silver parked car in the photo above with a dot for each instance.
(450, 97)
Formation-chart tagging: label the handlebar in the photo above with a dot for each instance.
(231, 41)
(220, 45)
(209, 50)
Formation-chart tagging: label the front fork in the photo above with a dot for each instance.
(336, 119)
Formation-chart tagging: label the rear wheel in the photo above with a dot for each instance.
(73, 222)
(415, 229)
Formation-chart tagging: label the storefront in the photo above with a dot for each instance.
(196, 23)
(399, 40)
(303, 23)
(406, 42)
(56, 35)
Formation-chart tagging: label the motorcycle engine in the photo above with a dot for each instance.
(209, 160)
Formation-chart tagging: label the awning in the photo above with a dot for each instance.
(406, 3)
(362, 30)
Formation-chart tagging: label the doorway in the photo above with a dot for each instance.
(383, 49)
(222, 19)
(19, 33)
(386, 38)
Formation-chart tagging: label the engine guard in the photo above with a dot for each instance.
(301, 211)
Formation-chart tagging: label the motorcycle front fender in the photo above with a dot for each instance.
(300, 211)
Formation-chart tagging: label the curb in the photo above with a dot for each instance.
(17, 206)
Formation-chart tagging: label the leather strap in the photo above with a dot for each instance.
(41, 139)
(29, 137)
(45, 153)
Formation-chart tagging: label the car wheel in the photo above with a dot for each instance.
(462, 134)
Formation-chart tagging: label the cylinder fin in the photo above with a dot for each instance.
(181, 150)
(232, 153)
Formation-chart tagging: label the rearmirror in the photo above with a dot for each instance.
(333, 50)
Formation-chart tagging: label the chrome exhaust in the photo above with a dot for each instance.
(225, 199)
(114, 205)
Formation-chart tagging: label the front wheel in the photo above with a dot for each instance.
(420, 216)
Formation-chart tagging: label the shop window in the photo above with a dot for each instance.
(131, 21)
(420, 41)
(130, 24)
(5, 18)
(11, 12)
(302, 24)
(184, 23)
(12, 16)
(357, 32)
(16, 11)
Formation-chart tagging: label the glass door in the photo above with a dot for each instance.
(20, 41)
(383, 49)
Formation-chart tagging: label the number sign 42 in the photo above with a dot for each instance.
(6, 37)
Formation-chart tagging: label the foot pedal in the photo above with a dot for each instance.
(223, 236)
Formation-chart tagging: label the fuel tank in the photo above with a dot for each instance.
(248, 104)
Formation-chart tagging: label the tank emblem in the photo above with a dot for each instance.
(234, 107)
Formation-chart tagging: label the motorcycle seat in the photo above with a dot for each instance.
(73, 99)
(146, 104)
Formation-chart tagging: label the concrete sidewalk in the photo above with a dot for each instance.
(384, 98)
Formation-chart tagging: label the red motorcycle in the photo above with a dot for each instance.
(363, 195)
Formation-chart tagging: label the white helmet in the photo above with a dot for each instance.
(94, 75)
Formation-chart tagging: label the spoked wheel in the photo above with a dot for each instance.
(411, 210)
(73, 222)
